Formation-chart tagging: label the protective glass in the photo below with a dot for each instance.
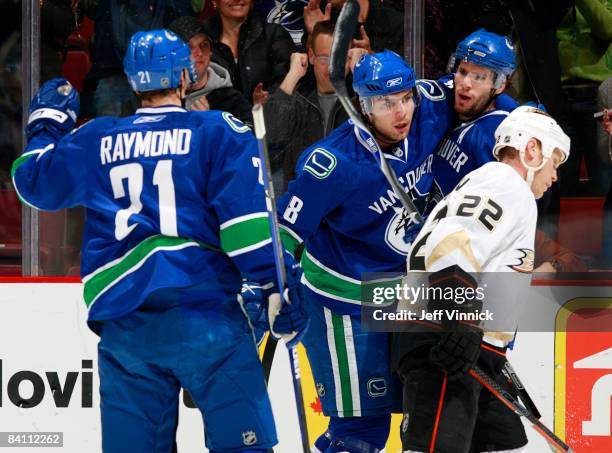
(484, 77)
(385, 105)
(477, 78)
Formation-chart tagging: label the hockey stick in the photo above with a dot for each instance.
(343, 34)
(512, 403)
(268, 356)
(522, 391)
(279, 261)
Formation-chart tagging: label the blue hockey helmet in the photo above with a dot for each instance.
(382, 73)
(488, 50)
(155, 60)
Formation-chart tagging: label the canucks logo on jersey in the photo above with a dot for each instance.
(396, 230)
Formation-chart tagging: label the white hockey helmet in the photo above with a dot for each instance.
(525, 123)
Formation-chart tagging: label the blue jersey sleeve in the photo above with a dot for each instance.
(324, 179)
(235, 190)
(51, 173)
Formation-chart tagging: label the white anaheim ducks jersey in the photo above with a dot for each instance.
(485, 225)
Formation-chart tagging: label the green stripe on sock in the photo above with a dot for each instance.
(343, 366)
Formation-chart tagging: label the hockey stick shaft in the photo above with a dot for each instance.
(511, 402)
(279, 261)
(268, 356)
(522, 391)
(343, 35)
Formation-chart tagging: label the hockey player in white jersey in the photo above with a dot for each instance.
(486, 224)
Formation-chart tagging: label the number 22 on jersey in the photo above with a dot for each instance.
(162, 178)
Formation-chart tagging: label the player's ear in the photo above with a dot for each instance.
(311, 56)
(533, 152)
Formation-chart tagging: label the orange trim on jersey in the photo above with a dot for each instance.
(496, 351)
(438, 414)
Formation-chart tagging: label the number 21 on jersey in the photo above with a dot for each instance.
(162, 178)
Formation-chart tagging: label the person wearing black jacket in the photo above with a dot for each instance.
(255, 53)
(380, 27)
(115, 22)
(213, 88)
(301, 111)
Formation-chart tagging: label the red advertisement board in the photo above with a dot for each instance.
(583, 375)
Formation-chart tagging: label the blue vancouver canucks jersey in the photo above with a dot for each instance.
(467, 147)
(174, 205)
(343, 209)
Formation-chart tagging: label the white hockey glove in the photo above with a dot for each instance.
(287, 317)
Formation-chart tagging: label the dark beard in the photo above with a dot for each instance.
(476, 111)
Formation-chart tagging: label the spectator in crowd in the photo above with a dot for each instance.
(255, 53)
(604, 101)
(213, 88)
(585, 53)
(300, 113)
(380, 27)
(585, 41)
(607, 119)
(58, 19)
(115, 22)
(288, 13)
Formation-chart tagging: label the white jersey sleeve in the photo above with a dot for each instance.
(487, 224)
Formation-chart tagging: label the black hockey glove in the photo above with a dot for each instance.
(457, 351)
(459, 346)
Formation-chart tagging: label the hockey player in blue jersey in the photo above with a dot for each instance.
(351, 222)
(176, 218)
(482, 64)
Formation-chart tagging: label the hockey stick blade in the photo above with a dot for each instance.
(279, 261)
(343, 35)
(508, 400)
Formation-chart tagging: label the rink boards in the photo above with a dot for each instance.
(49, 382)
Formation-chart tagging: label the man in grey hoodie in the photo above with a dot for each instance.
(213, 88)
